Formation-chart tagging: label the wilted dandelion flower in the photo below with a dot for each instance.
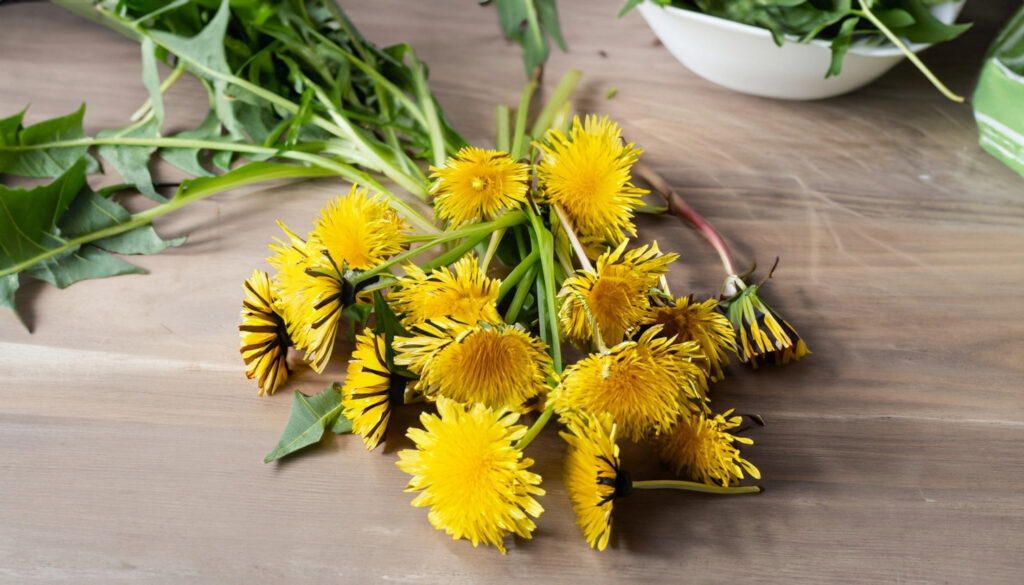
(587, 173)
(358, 231)
(478, 184)
(264, 336)
(469, 472)
(701, 446)
(312, 297)
(644, 385)
(592, 474)
(616, 294)
(371, 389)
(500, 366)
(463, 293)
(761, 333)
(687, 320)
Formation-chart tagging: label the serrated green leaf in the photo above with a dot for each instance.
(15, 159)
(84, 263)
(187, 159)
(91, 213)
(141, 240)
(309, 418)
(28, 217)
(133, 161)
(206, 57)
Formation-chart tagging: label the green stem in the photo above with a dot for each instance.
(164, 86)
(519, 134)
(437, 145)
(866, 13)
(517, 273)
(454, 254)
(545, 241)
(502, 113)
(522, 289)
(474, 234)
(558, 99)
(536, 428)
(692, 486)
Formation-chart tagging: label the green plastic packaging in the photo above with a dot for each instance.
(999, 98)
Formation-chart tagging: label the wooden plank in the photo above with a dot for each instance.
(131, 443)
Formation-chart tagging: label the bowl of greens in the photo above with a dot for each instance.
(800, 49)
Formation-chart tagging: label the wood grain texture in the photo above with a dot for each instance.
(131, 442)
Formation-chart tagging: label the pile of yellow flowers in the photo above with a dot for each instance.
(533, 252)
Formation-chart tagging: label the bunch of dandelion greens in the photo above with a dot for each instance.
(533, 249)
(294, 92)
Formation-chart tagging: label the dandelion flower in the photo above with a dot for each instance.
(371, 389)
(500, 366)
(264, 336)
(478, 184)
(644, 385)
(701, 446)
(468, 471)
(760, 332)
(463, 293)
(586, 173)
(616, 294)
(687, 320)
(592, 475)
(312, 297)
(358, 231)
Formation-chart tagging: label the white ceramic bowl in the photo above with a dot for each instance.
(746, 59)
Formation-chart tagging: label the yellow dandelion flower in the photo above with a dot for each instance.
(500, 366)
(359, 231)
(477, 185)
(687, 320)
(644, 385)
(617, 294)
(592, 475)
(463, 293)
(264, 336)
(371, 390)
(701, 446)
(467, 470)
(311, 297)
(761, 334)
(587, 173)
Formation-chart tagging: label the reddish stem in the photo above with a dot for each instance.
(679, 207)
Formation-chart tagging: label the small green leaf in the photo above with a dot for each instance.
(309, 418)
(548, 12)
(8, 286)
(629, 5)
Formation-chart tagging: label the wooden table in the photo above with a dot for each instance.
(131, 442)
